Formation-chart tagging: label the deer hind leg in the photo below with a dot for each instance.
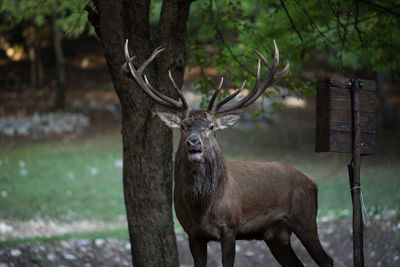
(308, 236)
(279, 244)
(198, 248)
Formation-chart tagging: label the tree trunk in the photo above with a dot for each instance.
(388, 115)
(31, 40)
(39, 63)
(32, 61)
(147, 143)
(60, 62)
(36, 66)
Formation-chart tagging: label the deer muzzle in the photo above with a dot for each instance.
(194, 148)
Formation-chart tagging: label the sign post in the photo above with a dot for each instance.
(345, 122)
(355, 186)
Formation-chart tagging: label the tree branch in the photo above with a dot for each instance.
(357, 12)
(386, 9)
(312, 22)
(222, 39)
(291, 20)
(77, 22)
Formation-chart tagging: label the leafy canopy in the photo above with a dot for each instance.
(223, 34)
(71, 17)
(353, 34)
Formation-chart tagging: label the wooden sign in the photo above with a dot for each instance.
(334, 116)
(345, 122)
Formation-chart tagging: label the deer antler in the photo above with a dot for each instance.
(259, 87)
(214, 96)
(137, 74)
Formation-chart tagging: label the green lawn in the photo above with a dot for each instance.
(119, 233)
(81, 179)
(65, 181)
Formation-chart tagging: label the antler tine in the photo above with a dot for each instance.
(263, 59)
(144, 84)
(125, 68)
(167, 99)
(276, 57)
(259, 87)
(254, 91)
(258, 73)
(283, 72)
(126, 53)
(179, 91)
(156, 51)
(214, 96)
(140, 82)
(229, 98)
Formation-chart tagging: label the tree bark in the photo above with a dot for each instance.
(36, 67)
(147, 143)
(60, 62)
(32, 60)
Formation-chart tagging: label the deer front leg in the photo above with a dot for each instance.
(198, 248)
(228, 248)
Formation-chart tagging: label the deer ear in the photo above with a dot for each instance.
(227, 120)
(171, 119)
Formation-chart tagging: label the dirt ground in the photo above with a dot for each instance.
(381, 243)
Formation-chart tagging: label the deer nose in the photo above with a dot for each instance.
(193, 141)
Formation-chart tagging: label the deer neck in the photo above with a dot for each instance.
(200, 182)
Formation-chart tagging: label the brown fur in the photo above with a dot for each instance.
(224, 201)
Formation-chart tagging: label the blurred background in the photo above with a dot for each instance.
(61, 195)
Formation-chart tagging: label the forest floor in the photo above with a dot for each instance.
(381, 248)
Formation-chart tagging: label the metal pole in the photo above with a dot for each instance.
(358, 250)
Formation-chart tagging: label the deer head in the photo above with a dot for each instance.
(198, 127)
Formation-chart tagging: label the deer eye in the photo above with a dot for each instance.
(211, 127)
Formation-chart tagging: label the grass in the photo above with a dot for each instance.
(81, 179)
(64, 181)
(120, 233)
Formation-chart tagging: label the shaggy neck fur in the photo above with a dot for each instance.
(200, 179)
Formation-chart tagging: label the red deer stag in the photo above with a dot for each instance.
(218, 200)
